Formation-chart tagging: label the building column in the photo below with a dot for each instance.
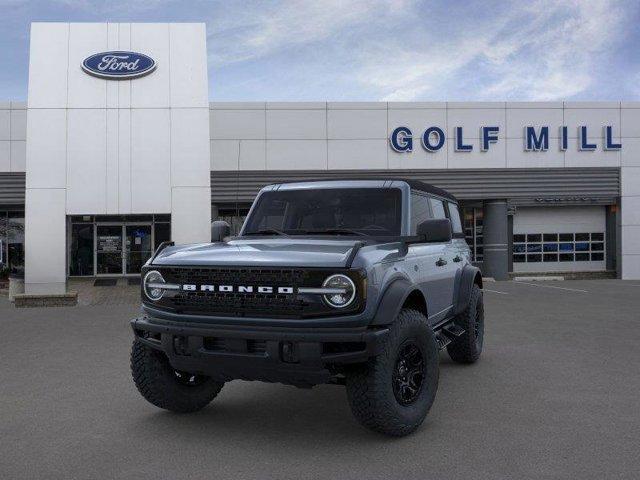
(496, 240)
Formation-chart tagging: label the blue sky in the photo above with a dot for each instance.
(363, 50)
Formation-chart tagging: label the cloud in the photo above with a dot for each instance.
(261, 29)
(546, 51)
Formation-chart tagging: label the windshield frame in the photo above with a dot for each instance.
(403, 224)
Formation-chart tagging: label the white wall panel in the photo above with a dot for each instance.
(124, 161)
(356, 124)
(5, 124)
(237, 124)
(86, 161)
(518, 118)
(47, 148)
(18, 156)
(357, 154)
(296, 154)
(253, 155)
(517, 157)
(417, 158)
(598, 158)
(190, 165)
(191, 215)
(631, 239)
(112, 162)
(86, 91)
(224, 154)
(592, 118)
(45, 241)
(296, 124)
(630, 181)
(48, 62)
(630, 211)
(495, 157)
(152, 91)
(150, 161)
(5, 156)
(630, 267)
(124, 86)
(630, 153)
(630, 120)
(188, 53)
(113, 43)
(18, 124)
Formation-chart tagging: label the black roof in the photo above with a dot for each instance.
(413, 184)
(428, 188)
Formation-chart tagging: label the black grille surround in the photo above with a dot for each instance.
(256, 305)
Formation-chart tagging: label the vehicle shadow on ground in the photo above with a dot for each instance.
(271, 413)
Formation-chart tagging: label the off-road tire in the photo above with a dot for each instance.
(468, 346)
(159, 384)
(370, 388)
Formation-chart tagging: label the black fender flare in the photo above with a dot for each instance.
(468, 277)
(392, 300)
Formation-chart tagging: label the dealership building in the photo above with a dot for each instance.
(118, 148)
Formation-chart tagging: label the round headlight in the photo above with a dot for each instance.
(151, 281)
(345, 291)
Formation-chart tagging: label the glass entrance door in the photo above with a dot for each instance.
(109, 250)
(138, 247)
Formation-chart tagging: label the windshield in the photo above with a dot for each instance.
(335, 211)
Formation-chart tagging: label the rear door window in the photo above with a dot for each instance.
(437, 208)
(420, 211)
(454, 215)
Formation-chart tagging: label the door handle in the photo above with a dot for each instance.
(441, 262)
(457, 258)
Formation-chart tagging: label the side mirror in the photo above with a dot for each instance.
(219, 230)
(435, 230)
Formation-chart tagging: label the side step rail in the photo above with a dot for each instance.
(447, 334)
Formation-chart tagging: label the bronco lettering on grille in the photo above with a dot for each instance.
(190, 287)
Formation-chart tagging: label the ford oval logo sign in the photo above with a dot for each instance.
(118, 65)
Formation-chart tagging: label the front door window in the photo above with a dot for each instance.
(109, 250)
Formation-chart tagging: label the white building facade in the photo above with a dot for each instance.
(95, 171)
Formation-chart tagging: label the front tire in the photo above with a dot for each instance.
(468, 346)
(393, 392)
(163, 386)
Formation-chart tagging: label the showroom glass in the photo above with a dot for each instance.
(372, 211)
(12, 236)
(473, 218)
(558, 247)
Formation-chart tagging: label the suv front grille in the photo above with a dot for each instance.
(240, 304)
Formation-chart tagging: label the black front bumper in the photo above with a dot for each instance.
(293, 355)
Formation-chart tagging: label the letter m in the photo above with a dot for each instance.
(536, 143)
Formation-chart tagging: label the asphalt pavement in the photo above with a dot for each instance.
(556, 395)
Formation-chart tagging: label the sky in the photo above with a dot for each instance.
(377, 50)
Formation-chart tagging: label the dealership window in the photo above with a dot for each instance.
(11, 242)
(473, 231)
(234, 215)
(559, 247)
(114, 244)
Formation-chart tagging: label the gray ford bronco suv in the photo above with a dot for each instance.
(353, 282)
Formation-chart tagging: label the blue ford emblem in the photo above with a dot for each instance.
(118, 65)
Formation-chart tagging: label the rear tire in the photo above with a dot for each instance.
(392, 393)
(468, 346)
(163, 386)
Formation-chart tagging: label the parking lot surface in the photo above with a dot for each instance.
(556, 394)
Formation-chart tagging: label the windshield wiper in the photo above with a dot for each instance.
(333, 231)
(267, 231)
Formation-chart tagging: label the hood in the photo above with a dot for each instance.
(277, 252)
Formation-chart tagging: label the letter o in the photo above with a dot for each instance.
(426, 139)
